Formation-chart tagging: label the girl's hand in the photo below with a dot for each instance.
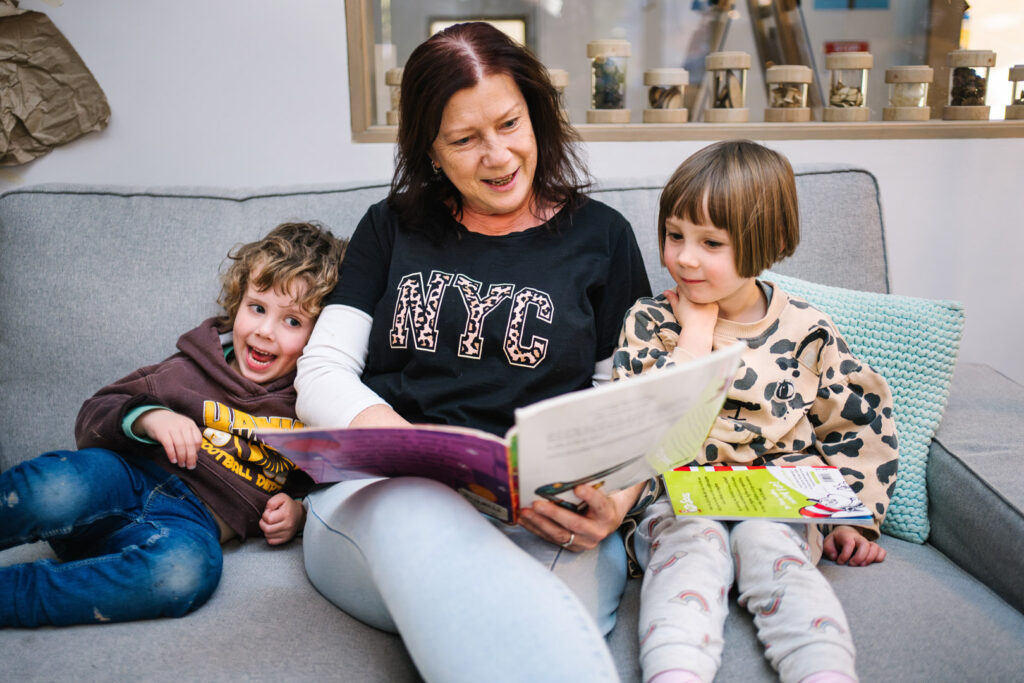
(696, 320)
(179, 435)
(282, 518)
(845, 545)
(558, 525)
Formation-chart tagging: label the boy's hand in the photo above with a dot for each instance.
(697, 320)
(845, 545)
(179, 435)
(282, 518)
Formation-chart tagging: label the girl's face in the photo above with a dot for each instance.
(701, 260)
(269, 333)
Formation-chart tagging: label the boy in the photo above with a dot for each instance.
(170, 465)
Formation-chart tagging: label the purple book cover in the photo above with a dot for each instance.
(475, 465)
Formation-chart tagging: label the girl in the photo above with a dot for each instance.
(800, 397)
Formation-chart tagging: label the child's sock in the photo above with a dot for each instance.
(827, 677)
(676, 676)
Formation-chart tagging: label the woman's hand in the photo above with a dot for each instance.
(558, 525)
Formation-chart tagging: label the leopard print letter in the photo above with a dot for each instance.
(416, 312)
(471, 341)
(516, 352)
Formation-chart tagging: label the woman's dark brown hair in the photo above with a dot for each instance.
(452, 60)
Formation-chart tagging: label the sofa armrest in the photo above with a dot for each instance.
(976, 480)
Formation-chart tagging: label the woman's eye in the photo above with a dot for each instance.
(511, 123)
(461, 141)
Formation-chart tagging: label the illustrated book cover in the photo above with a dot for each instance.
(808, 494)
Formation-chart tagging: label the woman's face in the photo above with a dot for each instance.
(486, 147)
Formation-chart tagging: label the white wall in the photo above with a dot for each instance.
(255, 93)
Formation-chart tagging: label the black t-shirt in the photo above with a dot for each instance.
(467, 330)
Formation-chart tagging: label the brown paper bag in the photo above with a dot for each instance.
(47, 95)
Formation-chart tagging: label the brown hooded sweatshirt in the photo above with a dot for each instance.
(235, 474)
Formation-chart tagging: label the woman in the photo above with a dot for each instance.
(486, 281)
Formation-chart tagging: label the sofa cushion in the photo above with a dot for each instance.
(913, 343)
(265, 622)
(976, 481)
(914, 617)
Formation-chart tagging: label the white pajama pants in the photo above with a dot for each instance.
(689, 567)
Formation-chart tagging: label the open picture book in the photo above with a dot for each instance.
(611, 436)
(808, 494)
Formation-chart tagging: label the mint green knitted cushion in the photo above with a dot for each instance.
(913, 344)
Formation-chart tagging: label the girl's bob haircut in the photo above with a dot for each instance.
(743, 188)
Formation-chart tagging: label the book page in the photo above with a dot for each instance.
(621, 433)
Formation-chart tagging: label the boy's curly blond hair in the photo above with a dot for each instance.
(304, 251)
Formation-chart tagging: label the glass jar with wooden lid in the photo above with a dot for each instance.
(608, 61)
(727, 101)
(1015, 109)
(560, 81)
(787, 93)
(848, 86)
(908, 93)
(968, 85)
(665, 95)
(393, 79)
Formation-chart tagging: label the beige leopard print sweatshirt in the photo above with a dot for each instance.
(800, 396)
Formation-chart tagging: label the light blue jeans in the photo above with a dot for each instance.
(135, 541)
(473, 600)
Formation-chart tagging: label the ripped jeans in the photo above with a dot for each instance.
(134, 541)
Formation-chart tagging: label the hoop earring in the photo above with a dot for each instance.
(436, 169)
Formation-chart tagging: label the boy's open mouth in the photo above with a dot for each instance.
(260, 358)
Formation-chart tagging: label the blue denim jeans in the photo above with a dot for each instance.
(134, 541)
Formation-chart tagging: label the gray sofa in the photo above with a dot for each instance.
(97, 281)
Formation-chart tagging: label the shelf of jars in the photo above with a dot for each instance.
(718, 108)
(788, 114)
(811, 130)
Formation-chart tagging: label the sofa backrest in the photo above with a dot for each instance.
(97, 281)
(842, 239)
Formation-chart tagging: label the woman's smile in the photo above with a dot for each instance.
(502, 181)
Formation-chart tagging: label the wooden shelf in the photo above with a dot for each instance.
(815, 130)
(359, 20)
